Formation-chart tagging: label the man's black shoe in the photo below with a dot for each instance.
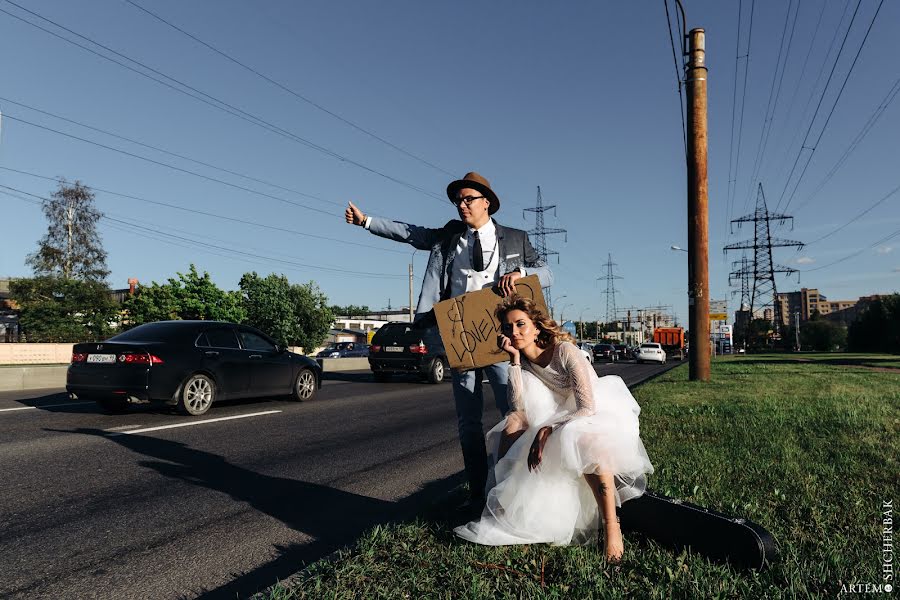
(471, 508)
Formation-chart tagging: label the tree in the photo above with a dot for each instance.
(878, 327)
(759, 333)
(350, 310)
(292, 314)
(190, 296)
(71, 248)
(55, 309)
(822, 335)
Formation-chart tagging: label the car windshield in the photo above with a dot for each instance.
(649, 346)
(392, 329)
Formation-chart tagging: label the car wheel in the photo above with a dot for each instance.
(381, 377)
(112, 406)
(197, 395)
(435, 371)
(305, 385)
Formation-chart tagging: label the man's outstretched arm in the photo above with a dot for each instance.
(422, 238)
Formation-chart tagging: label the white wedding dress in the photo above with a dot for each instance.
(597, 431)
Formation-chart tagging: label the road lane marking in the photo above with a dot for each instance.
(188, 424)
(42, 406)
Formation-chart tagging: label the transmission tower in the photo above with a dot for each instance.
(610, 290)
(742, 271)
(539, 236)
(763, 292)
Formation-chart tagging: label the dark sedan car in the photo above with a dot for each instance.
(345, 350)
(190, 364)
(605, 352)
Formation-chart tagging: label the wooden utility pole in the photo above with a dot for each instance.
(698, 207)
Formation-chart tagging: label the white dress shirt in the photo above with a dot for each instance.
(463, 278)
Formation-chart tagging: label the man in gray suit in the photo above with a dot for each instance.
(468, 254)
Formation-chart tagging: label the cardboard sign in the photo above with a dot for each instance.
(469, 328)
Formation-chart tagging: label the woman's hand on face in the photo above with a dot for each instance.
(506, 345)
(537, 447)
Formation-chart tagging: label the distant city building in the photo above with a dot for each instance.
(372, 321)
(809, 301)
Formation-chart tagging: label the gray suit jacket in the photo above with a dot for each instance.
(513, 244)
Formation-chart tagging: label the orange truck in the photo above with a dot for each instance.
(671, 339)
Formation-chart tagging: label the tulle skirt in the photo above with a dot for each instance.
(554, 504)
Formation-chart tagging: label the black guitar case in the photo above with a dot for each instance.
(677, 524)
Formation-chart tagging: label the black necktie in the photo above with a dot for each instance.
(477, 254)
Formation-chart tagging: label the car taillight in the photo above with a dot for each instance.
(79, 357)
(418, 349)
(140, 359)
(375, 348)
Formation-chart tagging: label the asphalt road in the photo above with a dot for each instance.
(105, 506)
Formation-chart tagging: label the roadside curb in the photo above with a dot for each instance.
(34, 377)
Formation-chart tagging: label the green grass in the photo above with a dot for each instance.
(807, 449)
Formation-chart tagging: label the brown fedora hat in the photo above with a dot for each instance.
(476, 182)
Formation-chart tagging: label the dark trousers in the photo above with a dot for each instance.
(467, 393)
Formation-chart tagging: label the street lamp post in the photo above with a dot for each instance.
(553, 308)
(561, 320)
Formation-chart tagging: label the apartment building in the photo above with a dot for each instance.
(810, 300)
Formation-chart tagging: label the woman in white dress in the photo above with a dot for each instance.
(569, 450)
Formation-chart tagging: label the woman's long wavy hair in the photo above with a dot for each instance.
(550, 333)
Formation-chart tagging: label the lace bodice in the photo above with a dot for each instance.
(568, 373)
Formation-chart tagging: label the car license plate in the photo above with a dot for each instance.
(393, 348)
(101, 358)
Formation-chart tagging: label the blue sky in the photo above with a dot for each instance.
(578, 98)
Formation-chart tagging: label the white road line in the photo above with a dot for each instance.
(42, 406)
(189, 423)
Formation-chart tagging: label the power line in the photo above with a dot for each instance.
(737, 52)
(212, 100)
(887, 238)
(191, 240)
(216, 216)
(287, 89)
(167, 165)
(737, 160)
(833, 106)
(774, 93)
(677, 78)
(170, 153)
(857, 217)
(812, 44)
(867, 127)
